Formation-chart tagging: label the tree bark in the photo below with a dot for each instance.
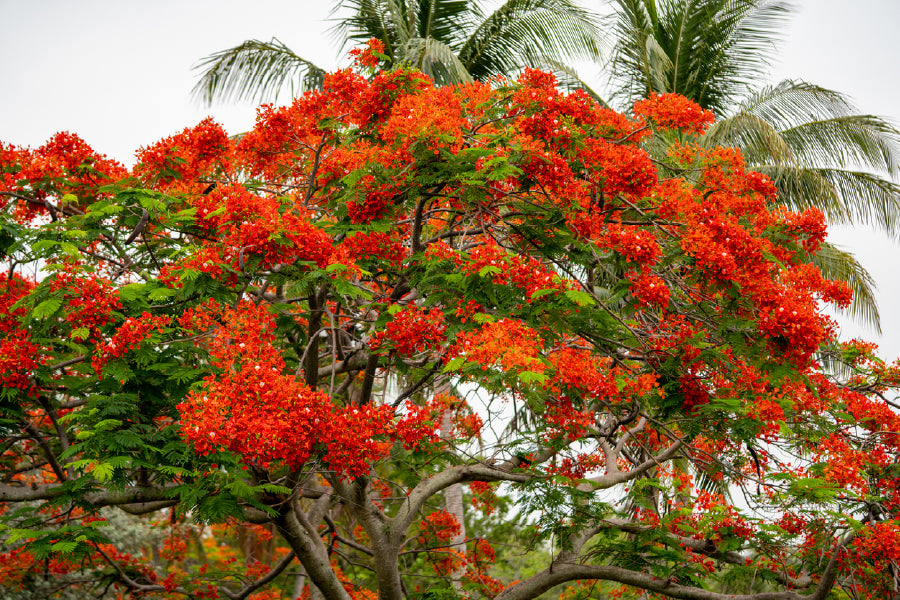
(311, 553)
(453, 500)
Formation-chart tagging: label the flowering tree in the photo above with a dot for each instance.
(389, 288)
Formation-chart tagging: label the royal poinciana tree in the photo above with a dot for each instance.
(389, 288)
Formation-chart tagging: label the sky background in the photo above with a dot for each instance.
(118, 73)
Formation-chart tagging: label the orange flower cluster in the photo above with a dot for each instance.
(506, 345)
(411, 331)
(674, 111)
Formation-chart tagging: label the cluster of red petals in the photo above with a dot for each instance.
(251, 407)
(650, 290)
(636, 244)
(693, 391)
(439, 526)
(12, 289)
(811, 224)
(368, 56)
(547, 114)
(433, 118)
(870, 563)
(508, 345)
(18, 356)
(209, 260)
(66, 168)
(483, 496)
(18, 359)
(617, 168)
(411, 331)
(420, 424)
(252, 225)
(674, 111)
(128, 337)
(91, 300)
(565, 421)
(185, 158)
(375, 246)
(579, 374)
(501, 267)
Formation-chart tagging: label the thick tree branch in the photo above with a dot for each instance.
(27, 493)
(308, 546)
(568, 568)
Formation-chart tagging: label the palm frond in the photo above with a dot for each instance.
(568, 78)
(845, 141)
(520, 32)
(381, 19)
(256, 71)
(758, 140)
(868, 198)
(844, 196)
(711, 51)
(739, 47)
(823, 128)
(437, 60)
(446, 21)
(835, 263)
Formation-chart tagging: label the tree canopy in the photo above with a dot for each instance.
(451, 41)
(816, 146)
(388, 288)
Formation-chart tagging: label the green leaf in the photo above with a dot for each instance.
(454, 364)
(46, 308)
(43, 245)
(161, 293)
(132, 291)
(541, 293)
(527, 377)
(107, 424)
(70, 248)
(489, 270)
(64, 547)
(580, 298)
(102, 472)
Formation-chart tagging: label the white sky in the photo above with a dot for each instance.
(118, 73)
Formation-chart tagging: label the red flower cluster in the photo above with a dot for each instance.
(650, 290)
(128, 337)
(368, 56)
(185, 158)
(411, 331)
(251, 226)
(674, 111)
(506, 345)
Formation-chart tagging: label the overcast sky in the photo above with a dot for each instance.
(118, 73)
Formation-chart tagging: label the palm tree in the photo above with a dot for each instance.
(451, 40)
(815, 145)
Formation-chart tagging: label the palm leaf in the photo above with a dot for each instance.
(568, 78)
(823, 128)
(835, 263)
(254, 70)
(758, 140)
(844, 196)
(711, 51)
(381, 19)
(437, 60)
(520, 32)
(446, 20)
